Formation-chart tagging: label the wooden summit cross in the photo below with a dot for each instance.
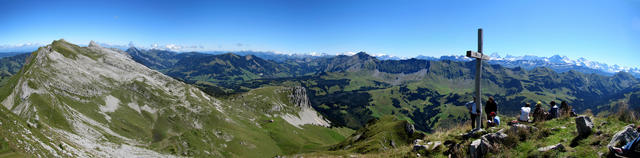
(479, 57)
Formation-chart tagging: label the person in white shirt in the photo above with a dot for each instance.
(473, 112)
(524, 113)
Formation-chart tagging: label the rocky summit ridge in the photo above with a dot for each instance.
(72, 101)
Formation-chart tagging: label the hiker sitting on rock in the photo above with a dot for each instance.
(494, 121)
(525, 111)
(538, 113)
(553, 112)
(630, 149)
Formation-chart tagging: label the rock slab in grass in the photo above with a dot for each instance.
(584, 125)
(558, 147)
(627, 134)
(434, 145)
(516, 128)
(417, 141)
(417, 148)
(494, 138)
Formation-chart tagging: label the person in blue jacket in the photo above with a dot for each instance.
(494, 121)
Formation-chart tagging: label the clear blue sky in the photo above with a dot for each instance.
(606, 31)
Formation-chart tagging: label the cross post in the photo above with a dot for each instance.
(479, 57)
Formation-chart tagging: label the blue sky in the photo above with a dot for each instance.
(606, 31)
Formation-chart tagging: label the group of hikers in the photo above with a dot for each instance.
(538, 114)
(491, 110)
(631, 149)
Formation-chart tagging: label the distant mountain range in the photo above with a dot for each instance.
(557, 63)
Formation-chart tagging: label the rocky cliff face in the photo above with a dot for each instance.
(306, 114)
(298, 97)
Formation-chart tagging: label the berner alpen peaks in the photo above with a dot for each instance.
(556, 62)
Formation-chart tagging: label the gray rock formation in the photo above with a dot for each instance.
(522, 128)
(392, 143)
(478, 148)
(494, 138)
(306, 114)
(486, 143)
(584, 125)
(409, 128)
(558, 147)
(418, 148)
(473, 133)
(434, 145)
(93, 44)
(623, 136)
(299, 97)
(417, 141)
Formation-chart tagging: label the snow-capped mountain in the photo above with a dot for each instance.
(388, 57)
(556, 62)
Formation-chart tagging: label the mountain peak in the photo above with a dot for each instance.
(93, 44)
(495, 55)
(132, 49)
(623, 75)
(362, 55)
(99, 88)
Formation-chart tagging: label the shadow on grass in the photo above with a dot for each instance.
(576, 141)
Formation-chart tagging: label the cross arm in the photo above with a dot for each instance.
(472, 54)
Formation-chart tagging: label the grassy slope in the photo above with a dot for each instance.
(375, 137)
(233, 133)
(257, 104)
(16, 136)
(550, 133)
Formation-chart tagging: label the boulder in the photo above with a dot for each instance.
(475, 149)
(434, 145)
(623, 136)
(478, 148)
(558, 147)
(521, 127)
(494, 138)
(409, 128)
(584, 125)
(417, 141)
(473, 133)
(488, 142)
(417, 148)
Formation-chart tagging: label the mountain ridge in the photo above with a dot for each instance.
(92, 101)
(362, 84)
(557, 62)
